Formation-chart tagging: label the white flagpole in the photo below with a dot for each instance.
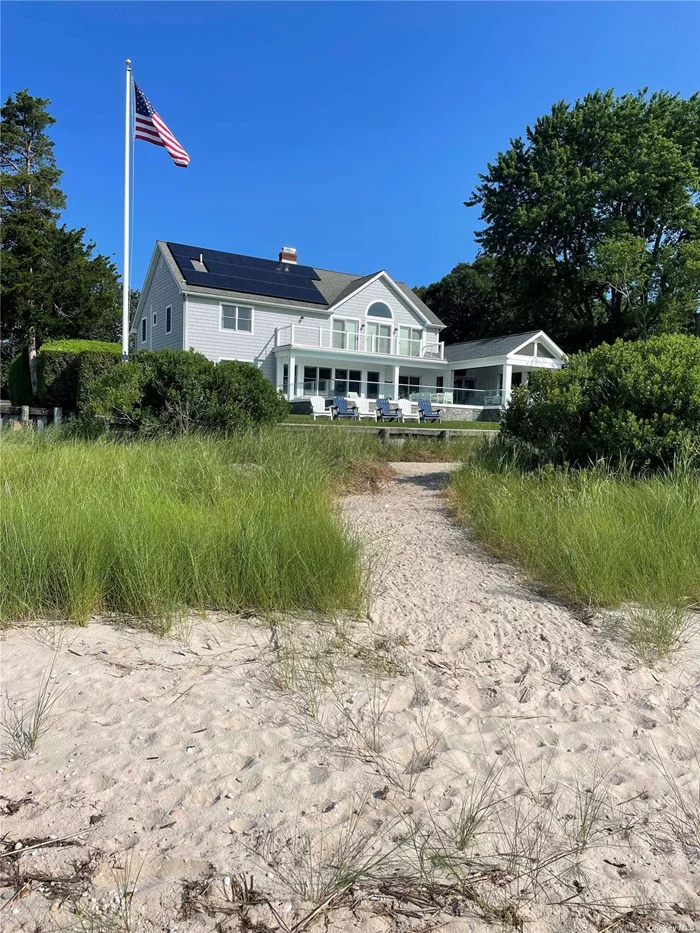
(125, 274)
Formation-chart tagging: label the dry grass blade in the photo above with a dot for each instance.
(317, 870)
(23, 726)
(683, 813)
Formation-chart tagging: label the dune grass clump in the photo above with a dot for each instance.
(151, 528)
(591, 536)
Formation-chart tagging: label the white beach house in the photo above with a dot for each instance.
(314, 332)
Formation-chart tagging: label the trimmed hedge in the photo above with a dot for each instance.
(633, 404)
(179, 391)
(65, 368)
(19, 383)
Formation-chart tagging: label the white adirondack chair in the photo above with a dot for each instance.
(364, 410)
(318, 408)
(406, 409)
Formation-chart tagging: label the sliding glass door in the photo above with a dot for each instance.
(378, 337)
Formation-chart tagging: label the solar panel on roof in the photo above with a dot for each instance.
(248, 274)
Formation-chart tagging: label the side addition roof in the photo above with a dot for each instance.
(487, 346)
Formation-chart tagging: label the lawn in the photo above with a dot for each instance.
(591, 536)
(452, 425)
(150, 528)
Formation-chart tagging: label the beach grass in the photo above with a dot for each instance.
(592, 536)
(149, 528)
(153, 527)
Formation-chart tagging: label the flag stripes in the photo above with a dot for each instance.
(150, 127)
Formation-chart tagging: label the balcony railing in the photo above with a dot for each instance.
(305, 335)
(329, 388)
(485, 398)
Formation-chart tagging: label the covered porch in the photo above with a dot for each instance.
(372, 380)
(493, 367)
(302, 375)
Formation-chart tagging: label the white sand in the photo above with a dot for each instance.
(205, 753)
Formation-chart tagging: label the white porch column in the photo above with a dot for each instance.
(396, 381)
(292, 382)
(279, 371)
(507, 381)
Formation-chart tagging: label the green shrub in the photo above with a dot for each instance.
(19, 383)
(177, 391)
(91, 365)
(242, 397)
(177, 387)
(60, 369)
(113, 398)
(632, 403)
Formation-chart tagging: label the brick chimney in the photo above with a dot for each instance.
(288, 254)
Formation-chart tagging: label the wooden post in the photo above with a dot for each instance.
(57, 415)
(25, 416)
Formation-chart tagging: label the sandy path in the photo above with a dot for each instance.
(233, 749)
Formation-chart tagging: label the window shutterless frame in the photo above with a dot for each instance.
(236, 318)
(379, 310)
(345, 333)
(144, 325)
(169, 320)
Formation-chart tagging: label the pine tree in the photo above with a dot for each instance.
(54, 284)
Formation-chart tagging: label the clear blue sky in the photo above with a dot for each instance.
(353, 131)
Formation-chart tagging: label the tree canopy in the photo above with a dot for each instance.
(54, 283)
(592, 226)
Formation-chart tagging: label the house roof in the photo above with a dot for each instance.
(333, 286)
(487, 346)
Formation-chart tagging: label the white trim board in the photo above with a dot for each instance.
(384, 275)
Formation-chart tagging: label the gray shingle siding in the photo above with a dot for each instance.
(205, 335)
(356, 306)
(163, 291)
(196, 314)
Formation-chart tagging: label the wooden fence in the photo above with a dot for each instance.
(15, 417)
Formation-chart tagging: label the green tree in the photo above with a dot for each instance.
(29, 176)
(594, 213)
(467, 300)
(54, 284)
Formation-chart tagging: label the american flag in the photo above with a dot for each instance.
(150, 128)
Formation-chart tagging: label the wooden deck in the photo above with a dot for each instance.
(387, 432)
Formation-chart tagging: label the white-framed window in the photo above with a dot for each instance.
(144, 326)
(409, 341)
(317, 380)
(380, 309)
(346, 333)
(237, 317)
(169, 320)
(408, 385)
(155, 318)
(347, 380)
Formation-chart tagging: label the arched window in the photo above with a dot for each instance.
(379, 309)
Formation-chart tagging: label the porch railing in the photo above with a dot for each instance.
(329, 388)
(319, 338)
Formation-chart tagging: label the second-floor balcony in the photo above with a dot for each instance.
(397, 344)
